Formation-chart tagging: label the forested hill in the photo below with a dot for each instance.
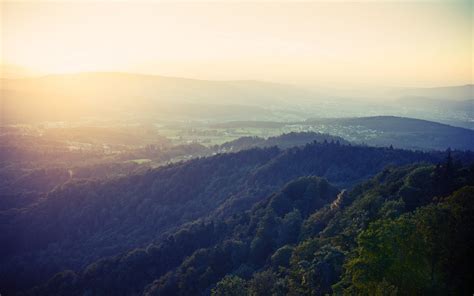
(80, 222)
(380, 131)
(401, 132)
(282, 141)
(408, 230)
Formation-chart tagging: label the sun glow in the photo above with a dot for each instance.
(391, 43)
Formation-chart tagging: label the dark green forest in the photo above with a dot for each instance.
(307, 220)
(406, 231)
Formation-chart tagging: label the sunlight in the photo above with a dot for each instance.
(356, 43)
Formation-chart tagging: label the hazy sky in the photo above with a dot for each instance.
(421, 43)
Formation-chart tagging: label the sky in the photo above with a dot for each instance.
(373, 43)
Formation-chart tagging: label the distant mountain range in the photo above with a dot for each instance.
(446, 93)
(122, 95)
(453, 105)
(147, 97)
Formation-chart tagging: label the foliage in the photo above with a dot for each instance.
(230, 286)
(307, 238)
(84, 220)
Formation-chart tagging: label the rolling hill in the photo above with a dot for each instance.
(446, 93)
(411, 224)
(283, 141)
(403, 132)
(82, 221)
(400, 132)
(123, 95)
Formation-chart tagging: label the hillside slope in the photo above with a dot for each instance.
(402, 132)
(283, 141)
(306, 239)
(82, 221)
